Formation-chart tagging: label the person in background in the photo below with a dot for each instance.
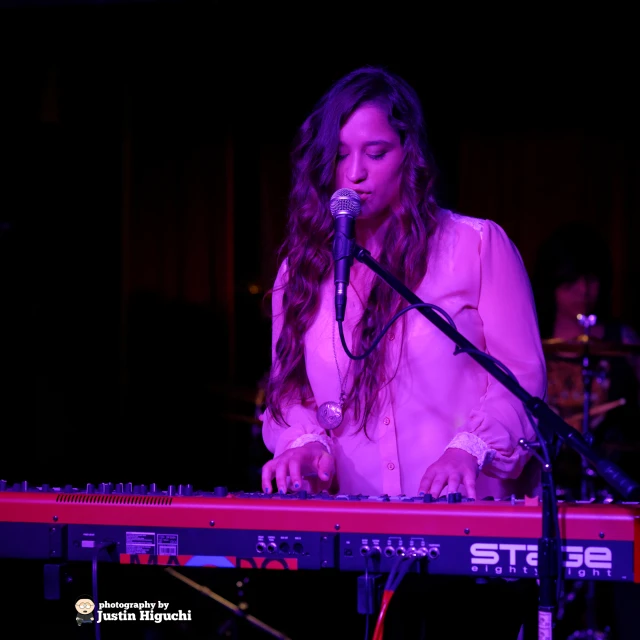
(411, 418)
(572, 277)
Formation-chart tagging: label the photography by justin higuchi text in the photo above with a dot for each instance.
(147, 611)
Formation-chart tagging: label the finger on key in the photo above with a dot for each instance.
(438, 484)
(454, 481)
(282, 471)
(426, 482)
(295, 474)
(267, 476)
(470, 484)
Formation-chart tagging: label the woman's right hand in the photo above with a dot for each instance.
(291, 466)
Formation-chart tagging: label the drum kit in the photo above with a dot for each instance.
(578, 389)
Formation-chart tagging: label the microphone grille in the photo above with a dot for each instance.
(345, 200)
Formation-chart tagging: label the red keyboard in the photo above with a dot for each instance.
(181, 527)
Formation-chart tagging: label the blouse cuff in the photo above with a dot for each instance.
(473, 445)
(311, 437)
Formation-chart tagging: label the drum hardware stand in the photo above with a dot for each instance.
(587, 491)
(229, 628)
(587, 488)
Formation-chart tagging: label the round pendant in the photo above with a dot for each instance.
(330, 415)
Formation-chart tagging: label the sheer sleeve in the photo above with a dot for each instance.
(511, 332)
(300, 419)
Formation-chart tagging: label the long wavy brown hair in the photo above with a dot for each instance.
(308, 244)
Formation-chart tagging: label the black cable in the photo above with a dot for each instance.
(393, 574)
(94, 581)
(403, 568)
(366, 595)
(367, 556)
(386, 328)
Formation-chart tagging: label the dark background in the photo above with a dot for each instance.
(144, 169)
(144, 163)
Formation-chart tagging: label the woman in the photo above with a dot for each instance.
(415, 419)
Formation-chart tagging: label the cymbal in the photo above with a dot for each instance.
(583, 344)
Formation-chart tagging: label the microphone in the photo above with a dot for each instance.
(345, 208)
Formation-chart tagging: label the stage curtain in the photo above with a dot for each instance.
(532, 182)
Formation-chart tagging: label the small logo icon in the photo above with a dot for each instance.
(84, 607)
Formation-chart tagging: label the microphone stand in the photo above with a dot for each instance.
(550, 426)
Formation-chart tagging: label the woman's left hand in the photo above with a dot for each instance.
(455, 467)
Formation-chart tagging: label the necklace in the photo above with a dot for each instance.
(330, 413)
